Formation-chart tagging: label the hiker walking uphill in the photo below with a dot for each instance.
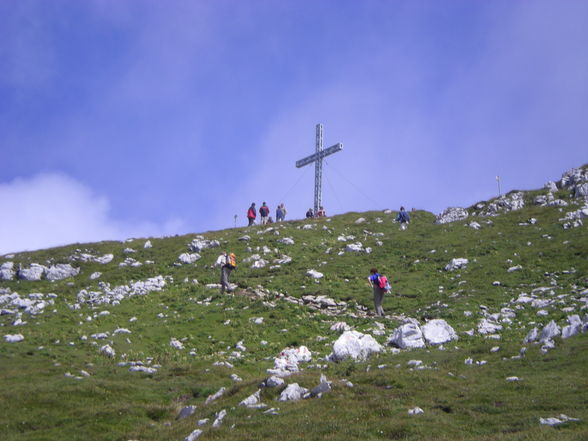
(227, 262)
(380, 286)
(264, 212)
(251, 214)
(403, 218)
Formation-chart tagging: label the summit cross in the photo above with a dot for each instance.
(317, 158)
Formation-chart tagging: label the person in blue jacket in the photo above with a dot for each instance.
(403, 218)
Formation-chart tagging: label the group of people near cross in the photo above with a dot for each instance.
(264, 214)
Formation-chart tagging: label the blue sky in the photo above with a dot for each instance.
(123, 118)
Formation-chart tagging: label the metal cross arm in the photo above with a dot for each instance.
(318, 156)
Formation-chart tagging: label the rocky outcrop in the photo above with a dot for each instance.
(452, 214)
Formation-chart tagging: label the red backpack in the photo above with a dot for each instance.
(384, 284)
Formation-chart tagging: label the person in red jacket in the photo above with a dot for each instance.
(251, 214)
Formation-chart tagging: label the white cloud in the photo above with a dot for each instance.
(54, 209)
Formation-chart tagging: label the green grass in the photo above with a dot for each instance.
(461, 402)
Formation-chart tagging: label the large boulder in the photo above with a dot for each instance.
(550, 331)
(35, 272)
(61, 271)
(438, 332)
(452, 214)
(7, 271)
(407, 336)
(355, 345)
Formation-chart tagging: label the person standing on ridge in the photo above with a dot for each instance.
(321, 212)
(403, 218)
(264, 212)
(251, 214)
(374, 281)
(280, 213)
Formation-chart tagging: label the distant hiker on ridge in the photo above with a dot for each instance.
(264, 212)
(403, 218)
(280, 213)
(227, 262)
(251, 214)
(309, 213)
(321, 212)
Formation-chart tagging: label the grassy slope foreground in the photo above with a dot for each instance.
(57, 385)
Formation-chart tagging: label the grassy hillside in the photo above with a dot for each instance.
(56, 384)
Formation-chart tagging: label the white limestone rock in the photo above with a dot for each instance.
(13, 338)
(108, 351)
(286, 241)
(407, 336)
(61, 271)
(189, 258)
(34, 272)
(252, 400)
(219, 393)
(273, 381)
(293, 392)
(176, 344)
(361, 220)
(194, 435)
(514, 268)
(289, 359)
(437, 332)
(549, 332)
(355, 345)
(574, 328)
(186, 412)
(219, 419)
(457, 263)
(314, 274)
(7, 271)
(340, 327)
(416, 411)
(557, 421)
(486, 326)
(354, 247)
(199, 243)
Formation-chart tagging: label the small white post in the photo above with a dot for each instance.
(498, 181)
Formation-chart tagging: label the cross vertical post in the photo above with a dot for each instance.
(317, 158)
(318, 168)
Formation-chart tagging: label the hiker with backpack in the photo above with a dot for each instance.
(380, 286)
(264, 212)
(227, 262)
(251, 214)
(403, 218)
